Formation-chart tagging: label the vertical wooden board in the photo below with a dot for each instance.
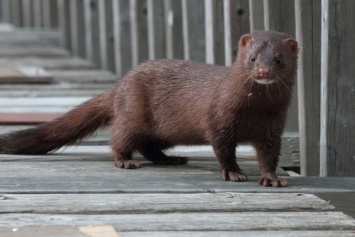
(185, 29)
(282, 18)
(159, 29)
(81, 29)
(102, 33)
(218, 30)
(26, 13)
(210, 23)
(142, 30)
(88, 30)
(95, 32)
(177, 30)
(109, 37)
(74, 26)
(196, 19)
(116, 40)
(256, 15)
(53, 14)
(240, 20)
(64, 23)
(125, 36)
(5, 11)
(46, 13)
(37, 13)
(341, 90)
(310, 120)
(16, 12)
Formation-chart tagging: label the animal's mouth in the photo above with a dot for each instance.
(265, 81)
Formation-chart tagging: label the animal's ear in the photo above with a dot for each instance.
(292, 44)
(244, 40)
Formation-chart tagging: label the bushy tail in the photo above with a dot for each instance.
(71, 127)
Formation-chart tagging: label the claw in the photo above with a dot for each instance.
(233, 176)
(274, 182)
(128, 164)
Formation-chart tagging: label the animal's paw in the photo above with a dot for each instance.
(128, 164)
(177, 160)
(274, 182)
(234, 176)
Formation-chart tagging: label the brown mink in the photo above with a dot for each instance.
(163, 103)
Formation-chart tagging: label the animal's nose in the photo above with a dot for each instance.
(264, 72)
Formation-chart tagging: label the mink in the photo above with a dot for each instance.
(163, 103)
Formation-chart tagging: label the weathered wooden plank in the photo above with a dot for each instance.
(85, 76)
(284, 233)
(35, 105)
(342, 201)
(55, 90)
(40, 102)
(5, 11)
(88, 30)
(158, 203)
(185, 29)
(256, 13)
(102, 34)
(117, 37)
(126, 39)
(37, 16)
(26, 14)
(59, 231)
(209, 31)
(69, 173)
(196, 30)
(46, 63)
(337, 89)
(74, 26)
(195, 221)
(240, 24)
(309, 87)
(227, 33)
(16, 12)
(169, 24)
(46, 51)
(110, 31)
(26, 75)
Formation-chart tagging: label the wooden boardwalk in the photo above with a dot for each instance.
(77, 191)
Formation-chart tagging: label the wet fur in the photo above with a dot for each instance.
(164, 103)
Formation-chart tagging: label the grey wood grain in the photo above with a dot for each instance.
(158, 203)
(40, 231)
(234, 221)
(282, 233)
(309, 95)
(196, 30)
(256, 12)
(338, 89)
(47, 51)
(48, 63)
(77, 176)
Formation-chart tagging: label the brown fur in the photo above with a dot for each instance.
(162, 103)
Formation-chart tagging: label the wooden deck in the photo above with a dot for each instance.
(77, 191)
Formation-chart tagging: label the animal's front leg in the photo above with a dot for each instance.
(230, 170)
(268, 153)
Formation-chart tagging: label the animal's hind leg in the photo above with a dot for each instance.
(153, 152)
(122, 146)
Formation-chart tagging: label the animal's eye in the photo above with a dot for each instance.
(252, 58)
(278, 60)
